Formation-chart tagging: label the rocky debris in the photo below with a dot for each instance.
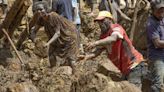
(127, 87)
(14, 66)
(55, 80)
(96, 82)
(9, 77)
(108, 69)
(39, 49)
(4, 55)
(97, 75)
(22, 87)
(90, 29)
(64, 70)
(38, 75)
(92, 82)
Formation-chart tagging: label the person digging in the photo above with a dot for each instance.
(120, 50)
(62, 36)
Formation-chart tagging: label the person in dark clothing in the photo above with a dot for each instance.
(63, 8)
(155, 37)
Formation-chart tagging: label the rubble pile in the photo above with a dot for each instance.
(97, 75)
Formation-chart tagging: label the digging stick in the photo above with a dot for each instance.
(13, 46)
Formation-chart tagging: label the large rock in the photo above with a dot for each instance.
(39, 49)
(108, 69)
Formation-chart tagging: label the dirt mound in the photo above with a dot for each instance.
(38, 77)
(55, 80)
(97, 82)
(97, 75)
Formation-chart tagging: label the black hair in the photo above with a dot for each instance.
(40, 2)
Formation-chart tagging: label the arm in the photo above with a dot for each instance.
(158, 43)
(153, 34)
(33, 32)
(55, 36)
(94, 54)
(117, 8)
(107, 40)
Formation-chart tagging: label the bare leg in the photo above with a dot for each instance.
(71, 62)
(52, 57)
(53, 61)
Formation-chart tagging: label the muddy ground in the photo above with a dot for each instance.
(97, 75)
(91, 76)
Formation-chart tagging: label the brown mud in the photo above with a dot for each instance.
(97, 75)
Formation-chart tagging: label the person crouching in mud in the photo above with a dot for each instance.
(62, 36)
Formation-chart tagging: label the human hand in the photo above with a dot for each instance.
(32, 38)
(90, 45)
(80, 57)
(84, 57)
(32, 35)
(46, 45)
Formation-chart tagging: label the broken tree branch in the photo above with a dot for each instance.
(111, 8)
(134, 20)
(147, 3)
(123, 15)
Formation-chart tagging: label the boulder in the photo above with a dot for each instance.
(108, 69)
